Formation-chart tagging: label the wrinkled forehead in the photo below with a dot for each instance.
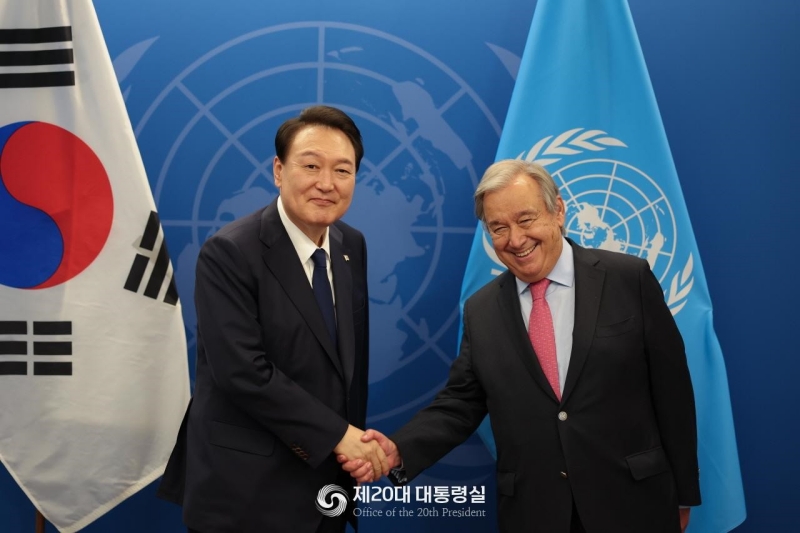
(520, 195)
(321, 129)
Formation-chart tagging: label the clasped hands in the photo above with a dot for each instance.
(366, 455)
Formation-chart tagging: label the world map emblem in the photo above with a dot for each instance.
(612, 205)
(207, 144)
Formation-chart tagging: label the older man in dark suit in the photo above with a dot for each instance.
(576, 357)
(282, 348)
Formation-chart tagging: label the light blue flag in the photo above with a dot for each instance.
(584, 108)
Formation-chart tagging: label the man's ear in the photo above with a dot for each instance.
(561, 209)
(277, 168)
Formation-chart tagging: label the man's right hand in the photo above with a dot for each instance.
(370, 456)
(362, 471)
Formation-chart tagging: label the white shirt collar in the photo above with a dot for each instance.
(563, 272)
(304, 246)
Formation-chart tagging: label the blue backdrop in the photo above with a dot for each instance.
(207, 83)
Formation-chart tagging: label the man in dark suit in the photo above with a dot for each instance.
(592, 407)
(282, 348)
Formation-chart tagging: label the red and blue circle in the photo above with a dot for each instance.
(56, 205)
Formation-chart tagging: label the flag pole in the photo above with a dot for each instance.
(40, 521)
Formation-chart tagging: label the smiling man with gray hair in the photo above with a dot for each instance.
(578, 360)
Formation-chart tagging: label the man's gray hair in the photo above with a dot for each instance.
(501, 174)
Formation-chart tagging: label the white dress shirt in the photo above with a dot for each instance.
(560, 297)
(305, 247)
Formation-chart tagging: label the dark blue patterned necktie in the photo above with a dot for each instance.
(322, 291)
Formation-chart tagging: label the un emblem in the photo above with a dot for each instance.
(615, 206)
(206, 141)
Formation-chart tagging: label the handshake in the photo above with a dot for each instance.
(366, 455)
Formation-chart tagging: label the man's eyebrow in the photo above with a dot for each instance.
(318, 154)
(532, 212)
(516, 216)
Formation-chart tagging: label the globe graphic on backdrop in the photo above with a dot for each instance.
(207, 144)
(614, 206)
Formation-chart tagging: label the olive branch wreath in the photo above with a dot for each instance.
(552, 149)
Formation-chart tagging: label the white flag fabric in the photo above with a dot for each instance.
(93, 367)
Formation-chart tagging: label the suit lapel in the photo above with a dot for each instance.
(343, 290)
(512, 318)
(589, 281)
(281, 259)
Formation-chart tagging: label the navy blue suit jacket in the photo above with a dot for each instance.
(273, 396)
(622, 442)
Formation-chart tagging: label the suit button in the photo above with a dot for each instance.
(562, 415)
(563, 474)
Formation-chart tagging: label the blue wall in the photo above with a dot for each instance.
(727, 81)
(726, 78)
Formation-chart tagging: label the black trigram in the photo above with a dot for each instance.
(160, 267)
(12, 349)
(25, 64)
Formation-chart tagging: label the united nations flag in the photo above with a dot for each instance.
(584, 108)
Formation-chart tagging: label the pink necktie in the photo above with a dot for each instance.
(542, 335)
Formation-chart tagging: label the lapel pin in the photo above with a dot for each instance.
(346, 257)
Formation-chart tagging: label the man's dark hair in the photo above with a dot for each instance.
(318, 115)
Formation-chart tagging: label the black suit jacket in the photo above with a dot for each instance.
(621, 442)
(273, 395)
